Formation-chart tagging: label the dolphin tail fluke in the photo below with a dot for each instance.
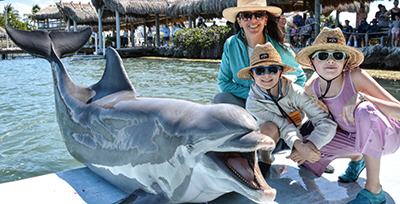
(69, 42)
(39, 43)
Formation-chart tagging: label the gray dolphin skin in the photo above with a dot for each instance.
(158, 150)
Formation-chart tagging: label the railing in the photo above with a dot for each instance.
(52, 24)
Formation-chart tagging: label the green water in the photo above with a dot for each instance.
(30, 139)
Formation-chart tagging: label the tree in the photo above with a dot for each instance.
(12, 18)
(31, 23)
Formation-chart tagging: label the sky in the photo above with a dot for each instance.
(25, 6)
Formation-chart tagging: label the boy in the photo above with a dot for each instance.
(274, 97)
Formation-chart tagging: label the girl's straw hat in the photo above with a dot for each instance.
(331, 39)
(264, 55)
(249, 5)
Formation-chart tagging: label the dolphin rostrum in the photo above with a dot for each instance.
(158, 150)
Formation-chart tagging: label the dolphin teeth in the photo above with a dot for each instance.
(241, 177)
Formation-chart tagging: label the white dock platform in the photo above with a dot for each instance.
(293, 184)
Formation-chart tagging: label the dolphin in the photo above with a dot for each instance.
(157, 150)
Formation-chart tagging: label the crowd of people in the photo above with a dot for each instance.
(169, 30)
(146, 37)
(340, 112)
(386, 23)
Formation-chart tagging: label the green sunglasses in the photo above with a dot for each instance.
(324, 55)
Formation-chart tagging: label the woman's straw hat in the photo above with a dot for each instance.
(331, 39)
(264, 55)
(249, 5)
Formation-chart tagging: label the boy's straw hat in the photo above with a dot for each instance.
(264, 55)
(331, 39)
(249, 5)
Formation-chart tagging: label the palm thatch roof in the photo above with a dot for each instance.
(139, 12)
(80, 13)
(2, 32)
(342, 5)
(138, 7)
(213, 8)
(206, 8)
(50, 12)
(355, 7)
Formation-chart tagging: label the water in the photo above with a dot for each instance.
(30, 139)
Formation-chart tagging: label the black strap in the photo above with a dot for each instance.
(280, 108)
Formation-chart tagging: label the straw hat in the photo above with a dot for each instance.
(264, 55)
(249, 5)
(331, 39)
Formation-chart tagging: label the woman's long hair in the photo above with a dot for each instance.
(271, 29)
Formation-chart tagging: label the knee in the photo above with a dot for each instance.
(271, 129)
(226, 97)
(364, 110)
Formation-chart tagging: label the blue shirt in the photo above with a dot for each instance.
(373, 29)
(348, 28)
(362, 28)
(235, 58)
(298, 19)
(166, 31)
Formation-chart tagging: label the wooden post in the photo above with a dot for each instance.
(118, 36)
(75, 27)
(68, 24)
(158, 30)
(132, 36)
(317, 17)
(100, 13)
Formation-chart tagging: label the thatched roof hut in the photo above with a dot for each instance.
(2, 32)
(138, 12)
(50, 12)
(213, 8)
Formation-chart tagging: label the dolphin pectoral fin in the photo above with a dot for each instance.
(39, 43)
(69, 42)
(142, 197)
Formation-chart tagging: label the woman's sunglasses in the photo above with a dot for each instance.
(324, 55)
(272, 70)
(246, 16)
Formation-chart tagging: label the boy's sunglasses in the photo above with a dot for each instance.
(324, 55)
(272, 70)
(246, 16)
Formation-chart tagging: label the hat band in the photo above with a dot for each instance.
(264, 61)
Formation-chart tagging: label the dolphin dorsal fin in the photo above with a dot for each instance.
(114, 78)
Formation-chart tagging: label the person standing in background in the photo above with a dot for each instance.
(166, 32)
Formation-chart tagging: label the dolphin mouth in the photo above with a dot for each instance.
(244, 167)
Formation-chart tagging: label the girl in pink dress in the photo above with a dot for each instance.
(366, 114)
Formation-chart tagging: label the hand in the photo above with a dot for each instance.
(309, 151)
(349, 107)
(296, 157)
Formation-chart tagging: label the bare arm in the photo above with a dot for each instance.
(373, 92)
